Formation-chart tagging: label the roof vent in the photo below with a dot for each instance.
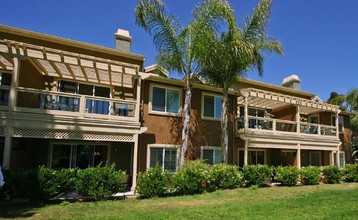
(292, 82)
(123, 41)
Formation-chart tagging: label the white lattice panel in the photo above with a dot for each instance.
(77, 135)
(2, 131)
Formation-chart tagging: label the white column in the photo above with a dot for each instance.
(135, 161)
(337, 125)
(137, 107)
(337, 156)
(246, 127)
(7, 149)
(298, 156)
(332, 158)
(298, 119)
(14, 82)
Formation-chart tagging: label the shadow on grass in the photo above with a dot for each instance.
(9, 210)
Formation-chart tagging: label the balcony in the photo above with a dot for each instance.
(74, 105)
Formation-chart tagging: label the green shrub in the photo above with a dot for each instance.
(287, 175)
(256, 174)
(191, 178)
(223, 176)
(153, 183)
(332, 173)
(100, 181)
(310, 175)
(350, 173)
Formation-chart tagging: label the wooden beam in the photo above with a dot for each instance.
(70, 70)
(56, 68)
(3, 66)
(9, 59)
(110, 74)
(96, 70)
(38, 66)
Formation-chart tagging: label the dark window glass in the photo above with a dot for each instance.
(209, 102)
(158, 99)
(5, 79)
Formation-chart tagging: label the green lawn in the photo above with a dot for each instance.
(339, 201)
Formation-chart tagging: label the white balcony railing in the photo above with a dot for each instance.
(35, 100)
(286, 126)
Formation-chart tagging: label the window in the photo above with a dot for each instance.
(166, 157)
(315, 158)
(342, 160)
(78, 155)
(313, 119)
(165, 100)
(211, 155)
(5, 83)
(288, 153)
(254, 157)
(212, 106)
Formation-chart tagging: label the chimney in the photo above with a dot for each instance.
(123, 41)
(292, 82)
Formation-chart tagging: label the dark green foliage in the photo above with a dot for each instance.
(100, 181)
(191, 178)
(350, 173)
(256, 174)
(310, 175)
(153, 183)
(332, 173)
(287, 175)
(223, 176)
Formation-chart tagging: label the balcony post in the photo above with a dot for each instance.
(135, 161)
(337, 125)
(14, 83)
(246, 127)
(298, 119)
(137, 106)
(82, 106)
(7, 149)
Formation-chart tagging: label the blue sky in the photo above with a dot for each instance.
(320, 37)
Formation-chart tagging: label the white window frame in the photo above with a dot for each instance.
(340, 159)
(215, 148)
(320, 157)
(151, 111)
(333, 123)
(203, 94)
(164, 146)
(49, 162)
(311, 116)
(242, 149)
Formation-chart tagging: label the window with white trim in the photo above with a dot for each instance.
(165, 100)
(254, 157)
(5, 83)
(78, 155)
(340, 122)
(211, 155)
(166, 157)
(212, 106)
(342, 159)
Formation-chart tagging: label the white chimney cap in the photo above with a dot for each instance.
(123, 33)
(292, 78)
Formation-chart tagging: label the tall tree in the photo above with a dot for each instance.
(176, 45)
(233, 50)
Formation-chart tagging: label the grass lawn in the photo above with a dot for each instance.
(339, 201)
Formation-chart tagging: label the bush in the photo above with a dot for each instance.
(256, 174)
(223, 176)
(42, 184)
(153, 183)
(287, 175)
(350, 173)
(100, 181)
(310, 175)
(332, 173)
(191, 178)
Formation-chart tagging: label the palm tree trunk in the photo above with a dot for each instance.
(224, 121)
(186, 124)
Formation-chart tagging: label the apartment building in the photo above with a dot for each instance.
(65, 103)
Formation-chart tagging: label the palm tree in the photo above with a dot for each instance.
(176, 45)
(233, 51)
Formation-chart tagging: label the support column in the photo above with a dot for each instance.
(14, 82)
(298, 156)
(135, 161)
(7, 149)
(332, 158)
(337, 156)
(337, 125)
(137, 107)
(246, 127)
(298, 119)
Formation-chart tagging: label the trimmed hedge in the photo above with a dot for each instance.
(332, 173)
(257, 174)
(192, 178)
(223, 176)
(350, 173)
(310, 175)
(153, 183)
(100, 181)
(287, 175)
